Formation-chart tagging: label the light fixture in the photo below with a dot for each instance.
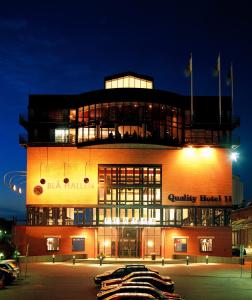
(66, 180)
(42, 181)
(189, 152)
(86, 180)
(106, 243)
(150, 243)
(13, 180)
(206, 151)
(234, 156)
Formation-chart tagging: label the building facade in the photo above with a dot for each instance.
(128, 171)
(242, 227)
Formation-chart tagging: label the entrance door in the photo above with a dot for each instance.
(129, 242)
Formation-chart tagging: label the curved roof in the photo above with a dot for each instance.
(109, 95)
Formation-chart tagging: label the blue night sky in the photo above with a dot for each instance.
(69, 46)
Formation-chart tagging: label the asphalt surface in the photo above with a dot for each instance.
(66, 281)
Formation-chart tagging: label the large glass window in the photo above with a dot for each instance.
(52, 244)
(130, 121)
(129, 184)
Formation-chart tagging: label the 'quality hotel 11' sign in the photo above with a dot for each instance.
(202, 198)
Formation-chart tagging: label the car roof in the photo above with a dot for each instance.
(139, 272)
(134, 265)
(134, 287)
(126, 283)
(148, 277)
(130, 294)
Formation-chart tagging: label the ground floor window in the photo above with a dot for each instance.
(52, 244)
(206, 245)
(152, 241)
(124, 215)
(180, 245)
(78, 244)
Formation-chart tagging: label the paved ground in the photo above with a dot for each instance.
(66, 281)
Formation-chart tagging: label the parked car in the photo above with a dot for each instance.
(136, 274)
(167, 288)
(12, 265)
(2, 282)
(9, 267)
(130, 296)
(125, 283)
(8, 276)
(120, 272)
(132, 289)
(156, 282)
(236, 251)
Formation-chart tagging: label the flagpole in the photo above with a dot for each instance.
(191, 67)
(219, 67)
(232, 87)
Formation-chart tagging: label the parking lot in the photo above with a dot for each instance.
(67, 281)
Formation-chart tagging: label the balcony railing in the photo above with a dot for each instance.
(213, 141)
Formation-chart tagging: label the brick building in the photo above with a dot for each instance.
(126, 171)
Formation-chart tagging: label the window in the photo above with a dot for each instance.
(206, 245)
(78, 244)
(180, 245)
(52, 244)
(61, 135)
(129, 184)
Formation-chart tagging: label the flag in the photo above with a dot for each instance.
(188, 69)
(217, 67)
(230, 76)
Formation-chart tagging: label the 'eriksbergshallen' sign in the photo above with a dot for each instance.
(202, 198)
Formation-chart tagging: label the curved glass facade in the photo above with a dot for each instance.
(129, 122)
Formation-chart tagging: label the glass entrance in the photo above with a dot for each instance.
(129, 242)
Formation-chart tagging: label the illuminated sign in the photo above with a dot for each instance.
(127, 221)
(202, 198)
(69, 186)
(185, 197)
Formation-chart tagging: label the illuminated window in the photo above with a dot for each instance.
(128, 82)
(52, 244)
(72, 114)
(180, 245)
(78, 244)
(61, 135)
(206, 245)
(130, 184)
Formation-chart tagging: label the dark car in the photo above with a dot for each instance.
(156, 282)
(135, 274)
(9, 266)
(236, 251)
(7, 275)
(120, 272)
(125, 283)
(2, 283)
(130, 296)
(132, 289)
(14, 265)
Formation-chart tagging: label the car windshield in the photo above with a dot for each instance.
(119, 272)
